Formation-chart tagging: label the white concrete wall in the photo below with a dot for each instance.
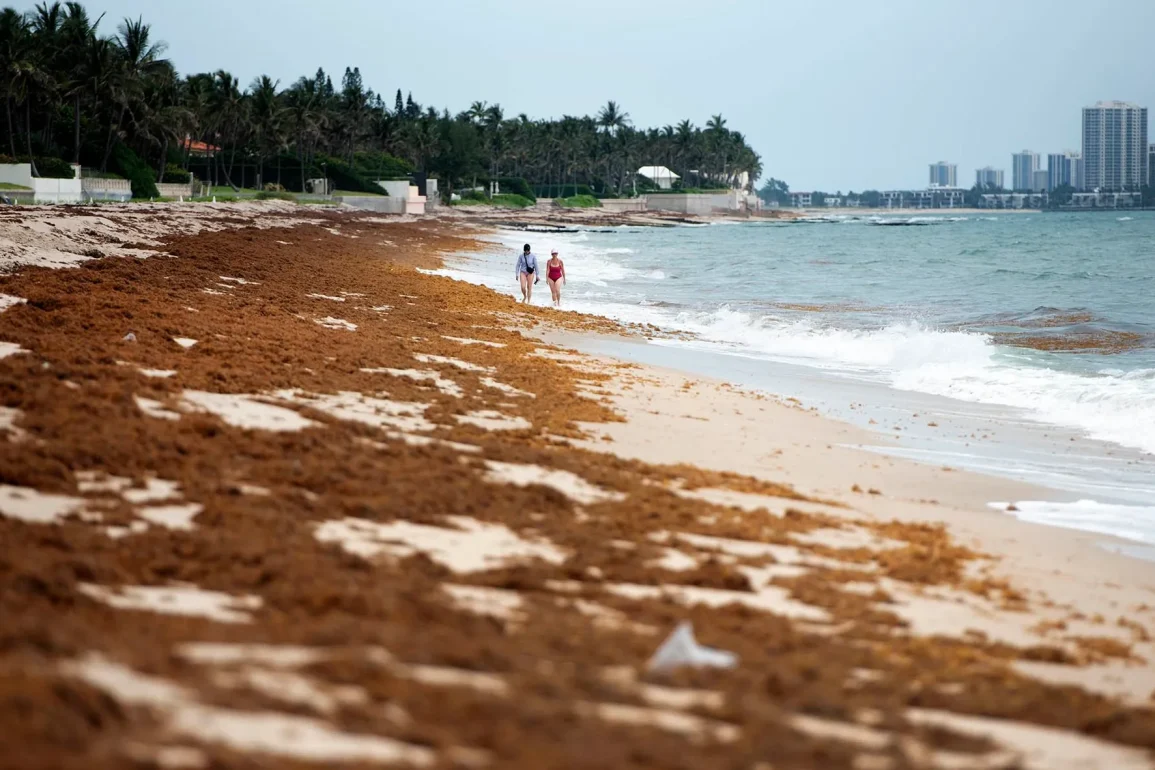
(624, 204)
(169, 190)
(43, 190)
(16, 173)
(396, 189)
(57, 190)
(697, 204)
(382, 204)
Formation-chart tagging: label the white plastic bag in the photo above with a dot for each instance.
(681, 649)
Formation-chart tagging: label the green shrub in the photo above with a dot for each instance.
(374, 164)
(477, 196)
(135, 171)
(346, 177)
(511, 201)
(579, 202)
(273, 195)
(562, 190)
(517, 186)
(174, 174)
(273, 187)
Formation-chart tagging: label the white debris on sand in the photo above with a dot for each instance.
(325, 296)
(682, 649)
(158, 373)
(184, 342)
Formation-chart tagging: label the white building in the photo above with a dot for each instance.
(1064, 168)
(943, 174)
(1115, 150)
(801, 199)
(659, 175)
(987, 176)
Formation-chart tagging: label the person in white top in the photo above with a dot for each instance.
(526, 273)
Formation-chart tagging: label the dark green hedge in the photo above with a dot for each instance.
(344, 176)
(562, 190)
(174, 174)
(131, 167)
(517, 186)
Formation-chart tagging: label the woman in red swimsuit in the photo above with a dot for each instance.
(555, 276)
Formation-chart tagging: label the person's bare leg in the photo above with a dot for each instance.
(554, 291)
(528, 287)
(523, 279)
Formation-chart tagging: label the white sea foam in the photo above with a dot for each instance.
(1133, 522)
(1113, 406)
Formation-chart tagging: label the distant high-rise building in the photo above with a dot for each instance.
(1115, 146)
(988, 177)
(1023, 167)
(943, 174)
(1078, 172)
(1039, 180)
(1064, 168)
(1151, 165)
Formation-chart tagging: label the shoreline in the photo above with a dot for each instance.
(321, 493)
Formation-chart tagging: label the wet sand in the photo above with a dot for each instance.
(323, 509)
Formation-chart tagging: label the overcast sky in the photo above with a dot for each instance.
(834, 95)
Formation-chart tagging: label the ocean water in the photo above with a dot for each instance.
(1040, 327)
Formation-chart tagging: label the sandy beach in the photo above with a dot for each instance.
(272, 497)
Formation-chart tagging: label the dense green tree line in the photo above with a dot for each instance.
(74, 92)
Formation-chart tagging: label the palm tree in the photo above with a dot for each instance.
(137, 58)
(267, 114)
(85, 63)
(611, 117)
(13, 46)
(28, 74)
(230, 107)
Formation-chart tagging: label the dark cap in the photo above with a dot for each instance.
(526, 247)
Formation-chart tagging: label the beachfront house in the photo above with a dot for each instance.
(801, 199)
(660, 176)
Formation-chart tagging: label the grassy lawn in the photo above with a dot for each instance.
(10, 186)
(511, 201)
